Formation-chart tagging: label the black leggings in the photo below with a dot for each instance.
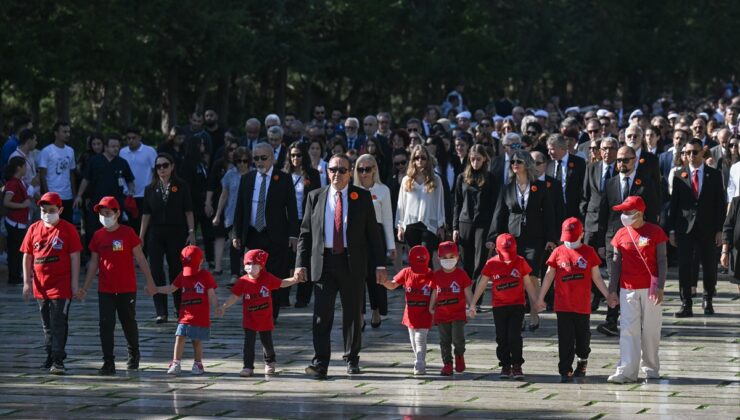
(268, 350)
(418, 234)
(508, 320)
(165, 241)
(123, 304)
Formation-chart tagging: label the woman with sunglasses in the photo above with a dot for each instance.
(305, 179)
(525, 210)
(730, 157)
(420, 216)
(219, 169)
(168, 220)
(366, 176)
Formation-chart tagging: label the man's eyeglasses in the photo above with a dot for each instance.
(401, 163)
(259, 158)
(340, 169)
(690, 152)
(538, 163)
(364, 169)
(624, 160)
(606, 149)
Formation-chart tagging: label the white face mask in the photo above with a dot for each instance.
(50, 218)
(253, 270)
(448, 263)
(107, 222)
(628, 220)
(573, 245)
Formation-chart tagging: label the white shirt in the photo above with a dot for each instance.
(322, 172)
(142, 162)
(700, 170)
(59, 163)
(331, 205)
(256, 194)
(604, 168)
(519, 196)
(733, 184)
(563, 172)
(298, 187)
(30, 167)
(418, 205)
(383, 213)
(276, 153)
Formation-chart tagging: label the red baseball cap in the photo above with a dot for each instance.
(447, 247)
(633, 202)
(572, 230)
(506, 246)
(256, 256)
(419, 259)
(191, 256)
(50, 198)
(108, 202)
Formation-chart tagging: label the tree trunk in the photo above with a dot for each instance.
(34, 106)
(281, 80)
(125, 110)
(170, 100)
(61, 101)
(307, 99)
(224, 92)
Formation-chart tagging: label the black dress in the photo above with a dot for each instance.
(731, 236)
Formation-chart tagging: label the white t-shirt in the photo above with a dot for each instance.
(59, 162)
(142, 162)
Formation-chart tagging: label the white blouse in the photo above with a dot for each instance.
(298, 186)
(418, 205)
(383, 212)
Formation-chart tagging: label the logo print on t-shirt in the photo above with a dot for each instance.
(515, 273)
(455, 287)
(426, 290)
(581, 263)
(57, 243)
(264, 291)
(199, 288)
(643, 241)
(117, 245)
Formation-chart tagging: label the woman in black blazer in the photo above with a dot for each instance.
(731, 241)
(305, 179)
(525, 210)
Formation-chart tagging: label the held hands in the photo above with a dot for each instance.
(80, 295)
(612, 300)
(220, 311)
(381, 276)
(299, 274)
(672, 239)
(472, 312)
(540, 306)
(150, 289)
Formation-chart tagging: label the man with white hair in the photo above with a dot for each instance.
(569, 170)
(646, 163)
(499, 166)
(252, 134)
(271, 120)
(463, 120)
(351, 129)
(275, 138)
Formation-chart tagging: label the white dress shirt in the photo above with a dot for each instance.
(331, 205)
(733, 183)
(256, 195)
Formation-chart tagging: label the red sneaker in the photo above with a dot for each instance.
(446, 370)
(516, 372)
(460, 364)
(505, 372)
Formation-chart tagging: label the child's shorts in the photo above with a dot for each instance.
(193, 332)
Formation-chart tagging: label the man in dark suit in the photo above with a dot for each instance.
(722, 148)
(499, 165)
(279, 151)
(680, 137)
(338, 232)
(266, 215)
(697, 213)
(616, 190)
(569, 170)
(699, 130)
(354, 140)
(646, 163)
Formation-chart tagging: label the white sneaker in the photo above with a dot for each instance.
(618, 379)
(174, 368)
(270, 368)
(420, 369)
(246, 372)
(198, 368)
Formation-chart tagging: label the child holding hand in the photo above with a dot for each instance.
(255, 289)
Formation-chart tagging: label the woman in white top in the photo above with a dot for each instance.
(420, 216)
(316, 152)
(366, 176)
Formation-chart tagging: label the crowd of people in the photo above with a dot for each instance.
(523, 201)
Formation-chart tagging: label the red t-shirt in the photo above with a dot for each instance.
(257, 300)
(573, 277)
(507, 279)
(418, 288)
(20, 194)
(194, 306)
(450, 295)
(116, 259)
(51, 248)
(635, 274)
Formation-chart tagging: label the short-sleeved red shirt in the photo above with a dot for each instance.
(115, 259)
(20, 194)
(51, 248)
(507, 279)
(637, 260)
(257, 300)
(573, 277)
(418, 288)
(450, 295)
(194, 306)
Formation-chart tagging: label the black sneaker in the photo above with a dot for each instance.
(685, 312)
(609, 329)
(581, 369)
(706, 303)
(316, 371)
(568, 377)
(57, 368)
(109, 368)
(161, 319)
(133, 361)
(47, 363)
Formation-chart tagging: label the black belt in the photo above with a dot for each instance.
(330, 251)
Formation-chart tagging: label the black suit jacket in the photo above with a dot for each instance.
(280, 161)
(649, 166)
(474, 204)
(281, 211)
(610, 221)
(540, 218)
(591, 200)
(497, 167)
(731, 228)
(363, 236)
(573, 185)
(707, 213)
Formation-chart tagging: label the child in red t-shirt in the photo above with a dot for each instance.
(451, 291)
(255, 289)
(573, 266)
(509, 276)
(416, 280)
(113, 249)
(198, 297)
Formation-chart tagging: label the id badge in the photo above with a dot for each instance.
(121, 182)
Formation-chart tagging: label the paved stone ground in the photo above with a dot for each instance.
(700, 371)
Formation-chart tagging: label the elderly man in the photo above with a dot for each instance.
(722, 148)
(351, 129)
(266, 215)
(499, 166)
(463, 120)
(271, 120)
(593, 131)
(252, 134)
(699, 130)
(646, 163)
(279, 151)
(569, 170)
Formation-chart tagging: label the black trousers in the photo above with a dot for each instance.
(418, 234)
(612, 314)
(694, 249)
(336, 278)
(473, 251)
(68, 212)
(268, 350)
(92, 223)
(165, 242)
(574, 338)
(54, 322)
(378, 294)
(276, 263)
(236, 257)
(15, 256)
(206, 229)
(508, 321)
(123, 304)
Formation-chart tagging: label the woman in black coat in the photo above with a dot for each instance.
(731, 241)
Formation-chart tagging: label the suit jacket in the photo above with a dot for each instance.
(665, 162)
(731, 227)
(648, 166)
(555, 189)
(280, 161)
(363, 236)
(707, 213)
(281, 211)
(474, 204)
(311, 181)
(540, 218)
(497, 167)
(591, 201)
(573, 185)
(610, 221)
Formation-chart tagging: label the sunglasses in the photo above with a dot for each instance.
(485, 125)
(413, 130)
(733, 145)
(335, 169)
(690, 152)
(624, 160)
(162, 166)
(606, 149)
(296, 155)
(516, 162)
(420, 158)
(364, 169)
(259, 158)
(593, 148)
(400, 163)
(242, 161)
